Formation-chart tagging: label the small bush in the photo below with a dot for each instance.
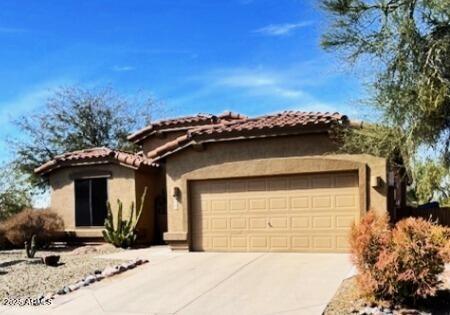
(420, 250)
(400, 263)
(45, 224)
(370, 240)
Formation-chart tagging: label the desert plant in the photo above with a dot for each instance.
(420, 252)
(399, 264)
(45, 224)
(123, 234)
(370, 239)
(31, 246)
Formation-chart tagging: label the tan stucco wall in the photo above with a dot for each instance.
(260, 157)
(121, 185)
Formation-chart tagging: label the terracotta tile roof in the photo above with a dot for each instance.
(287, 122)
(168, 147)
(96, 155)
(225, 126)
(284, 120)
(182, 123)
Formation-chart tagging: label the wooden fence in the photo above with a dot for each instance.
(440, 215)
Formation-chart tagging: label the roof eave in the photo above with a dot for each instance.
(44, 171)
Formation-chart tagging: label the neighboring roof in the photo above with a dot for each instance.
(93, 156)
(288, 122)
(183, 123)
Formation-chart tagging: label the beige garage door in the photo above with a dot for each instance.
(303, 213)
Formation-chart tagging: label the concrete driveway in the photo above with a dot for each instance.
(210, 283)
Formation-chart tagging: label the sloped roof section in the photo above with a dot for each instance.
(288, 122)
(183, 123)
(276, 122)
(94, 156)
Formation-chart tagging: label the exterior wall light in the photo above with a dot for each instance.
(376, 181)
(176, 197)
(176, 192)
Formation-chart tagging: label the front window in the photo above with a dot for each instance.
(90, 201)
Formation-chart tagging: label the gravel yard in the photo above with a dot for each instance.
(21, 277)
(347, 300)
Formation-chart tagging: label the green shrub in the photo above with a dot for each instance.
(45, 224)
(123, 234)
(401, 263)
(15, 193)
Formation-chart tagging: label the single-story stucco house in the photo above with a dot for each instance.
(229, 183)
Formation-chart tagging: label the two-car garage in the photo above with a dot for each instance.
(277, 182)
(299, 213)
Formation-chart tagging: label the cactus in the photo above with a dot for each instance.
(123, 234)
(31, 247)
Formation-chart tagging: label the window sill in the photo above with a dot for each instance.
(89, 227)
(94, 231)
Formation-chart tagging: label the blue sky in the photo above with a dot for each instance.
(249, 56)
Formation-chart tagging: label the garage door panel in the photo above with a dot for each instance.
(322, 222)
(278, 223)
(278, 203)
(219, 224)
(259, 242)
(301, 202)
(342, 242)
(259, 204)
(238, 223)
(238, 205)
(345, 201)
(279, 243)
(300, 243)
(300, 222)
(323, 242)
(256, 223)
(323, 202)
(219, 205)
(219, 242)
(239, 243)
(310, 213)
(345, 221)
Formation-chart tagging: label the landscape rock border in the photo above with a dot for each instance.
(98, 275)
